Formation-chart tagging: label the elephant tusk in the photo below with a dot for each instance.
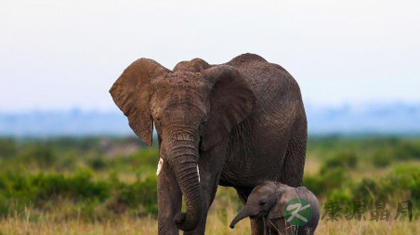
(159, 166)
(198, 174)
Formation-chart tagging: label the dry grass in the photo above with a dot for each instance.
(217, 224)
(368, 227)
(124, 225)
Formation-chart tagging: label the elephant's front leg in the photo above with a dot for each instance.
(257, 226)
(169, 200)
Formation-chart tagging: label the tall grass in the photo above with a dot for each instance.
(51, 222)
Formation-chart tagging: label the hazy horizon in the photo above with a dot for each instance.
(60, 55)
(308, 104)
(375, 119)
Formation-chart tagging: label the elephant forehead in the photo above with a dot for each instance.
(195, 65)
(183, 102)
(262, 190)
(181, 87)
(181, 78)
(172, 95)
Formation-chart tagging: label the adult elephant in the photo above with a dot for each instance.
(236, 124)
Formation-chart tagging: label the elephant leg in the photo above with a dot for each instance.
(169, 201)
(210, 167)
(257, 224)
(294, 162)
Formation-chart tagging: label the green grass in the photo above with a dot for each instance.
(108, 185)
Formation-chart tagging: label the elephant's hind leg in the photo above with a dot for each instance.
(294, 162)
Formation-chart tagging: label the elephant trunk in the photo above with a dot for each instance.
(247, 211)
(183, 160)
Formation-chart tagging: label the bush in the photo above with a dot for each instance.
(97, 163)
(7, 148)
(382, 158)
(393, 188)
(77, 187)
(141, 193)
(407, 150)
(41, 156)
(341, 159)
(42, 189)
(328, 180)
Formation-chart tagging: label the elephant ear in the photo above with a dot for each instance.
(231, 101)
(131, 94)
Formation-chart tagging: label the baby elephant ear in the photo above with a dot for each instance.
(131, 94)
(276, 211)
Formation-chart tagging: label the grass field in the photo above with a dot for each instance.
(217, 224)
(108, 185)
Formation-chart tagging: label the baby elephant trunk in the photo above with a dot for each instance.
(246, 212)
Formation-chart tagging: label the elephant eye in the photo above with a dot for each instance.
(262, 203)
(203, 121)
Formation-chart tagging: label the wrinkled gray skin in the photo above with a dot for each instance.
(268, 200)
(241, 123)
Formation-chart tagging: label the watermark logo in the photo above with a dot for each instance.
(360, 208)
(297, 212)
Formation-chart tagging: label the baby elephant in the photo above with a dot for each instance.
(268, 200)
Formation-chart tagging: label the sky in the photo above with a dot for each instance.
(65, 54)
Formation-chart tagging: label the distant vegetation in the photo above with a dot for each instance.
(102, 179)
(378, 118)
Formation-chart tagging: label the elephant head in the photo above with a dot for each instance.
(193, 107)
(268, 200)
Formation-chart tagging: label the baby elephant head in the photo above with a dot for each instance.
(268, 200)
(262, 202)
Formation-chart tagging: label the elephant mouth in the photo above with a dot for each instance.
(259, 215)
